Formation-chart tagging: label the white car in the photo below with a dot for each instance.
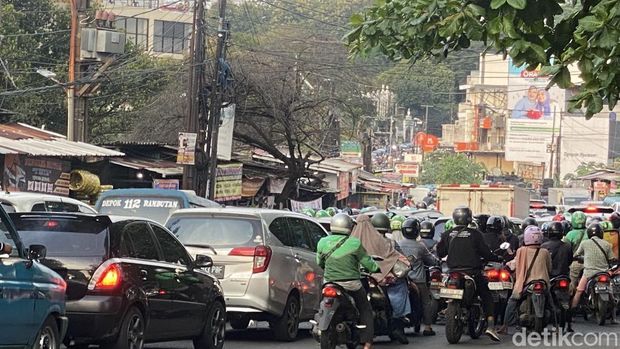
(36, 202)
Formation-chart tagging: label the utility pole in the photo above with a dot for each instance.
(216, 98)
(73, 53)
(426, 117)
(195, 87)
(558, 151)
(553, 145)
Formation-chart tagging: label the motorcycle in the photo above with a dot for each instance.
(534, 310)
(437, 277)
(599, 297)
(336, 323)
(500, 280)
(560, 289)
(464, 307)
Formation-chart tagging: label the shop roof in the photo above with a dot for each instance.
(29, 140)
(604, 174)
(163, 167)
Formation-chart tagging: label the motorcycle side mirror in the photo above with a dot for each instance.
(504, 246)
(378, 258)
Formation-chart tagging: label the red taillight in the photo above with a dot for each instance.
(261, 254)
(591, 209)
(330, 292)
(504, 275)
(539, 287)
(453, 280)
(436, 276)
(110, 278)
(603, 278)
(51, 224)
(563, 283)
(492, 274)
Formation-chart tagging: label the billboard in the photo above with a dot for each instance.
(186, 154)
(228, 182)
(583, 141)
(532, 111)
(225, 136)
(40, 175)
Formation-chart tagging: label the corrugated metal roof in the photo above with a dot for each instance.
(25, 139)
(609, 175)
(166, 168)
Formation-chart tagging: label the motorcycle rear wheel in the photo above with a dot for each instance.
(454, 323)
(601, 311)
(476, 322)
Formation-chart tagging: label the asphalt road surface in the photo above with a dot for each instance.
(259, 337)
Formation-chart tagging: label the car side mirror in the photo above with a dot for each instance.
(203, 261)
(36, 252)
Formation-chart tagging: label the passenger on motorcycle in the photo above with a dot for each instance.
(419, 256)
(372, 234)
(526, 223)
(531, 263)
(575, 237)
(561, 256)
(597, 255)
(466, 250)
(493, 235)
(427, 235)
(341, 256)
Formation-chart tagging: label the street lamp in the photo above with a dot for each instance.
(70, 99)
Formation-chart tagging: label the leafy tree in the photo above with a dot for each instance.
(548, 33)
(583, 169)
(442, 167)
(423, 83)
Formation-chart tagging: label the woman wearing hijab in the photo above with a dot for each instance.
(372, 235)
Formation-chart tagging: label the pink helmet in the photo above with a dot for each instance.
(532, 236)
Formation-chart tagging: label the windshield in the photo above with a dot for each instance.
(65, 237)
(155, 208)
(217, 232)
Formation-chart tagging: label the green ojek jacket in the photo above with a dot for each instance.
(344, 263)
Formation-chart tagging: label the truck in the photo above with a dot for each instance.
(501, 200)
(568, 196)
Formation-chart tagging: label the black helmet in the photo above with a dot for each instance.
(427, 230)
(381, 222)
(411, 228)
(462, 216)
(615, 220)
(495, 224)
(421, 205)
(555, 230)
(527, 222)
(595, 230)
(567, 226)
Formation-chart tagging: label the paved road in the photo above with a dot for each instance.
(260, 337)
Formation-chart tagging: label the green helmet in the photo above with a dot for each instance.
(381, 222)
(399, 218)
(607, 225)
(308, 212)
(332, 211)
(395, 224)
(449, 225)
(322, 214)
(578, 220)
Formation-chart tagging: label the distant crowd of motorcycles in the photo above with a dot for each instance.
(454, 295)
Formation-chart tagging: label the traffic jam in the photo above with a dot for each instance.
(148, 265)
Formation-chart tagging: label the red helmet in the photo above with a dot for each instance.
(558, 218)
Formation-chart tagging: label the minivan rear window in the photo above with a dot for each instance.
(155, 208)
(217, 232)
(64, 237)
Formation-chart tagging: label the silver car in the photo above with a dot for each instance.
(265, 260)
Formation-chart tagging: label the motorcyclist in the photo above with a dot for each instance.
(421, 205)
(429, 199)
(466, 250)
(526, 223)
(561, 256)
(575, 237)
(597, 256)
(343, 268)
(419, 256)
(396, 223)
(373, 237)
(531, 263)
(493, 235)
(482, 219)
(427, 235)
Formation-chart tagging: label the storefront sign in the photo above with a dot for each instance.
(409, 170)
(186, 154)
(39, 175)
(228, 182)
(171, 184)
(350, 149)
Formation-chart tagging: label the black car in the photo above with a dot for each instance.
(129, 281)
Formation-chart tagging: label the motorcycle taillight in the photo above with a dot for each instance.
(436, 276)
(603, 278)
(492, 274)
(504, 275)
(330, 292)
(539, 287)
(563, 284)
(454, 280)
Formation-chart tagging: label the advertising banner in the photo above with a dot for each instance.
(297, 206)
(350, 149)
(409, 170)
(228, 182)
(186, 154)
(170, 184)
(225, 136)
(37, 175)
(251, 186)
(531, 110)
(583, 141)
(343, 185)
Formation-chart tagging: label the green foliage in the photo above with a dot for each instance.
(441, 167)
(584, 169)
(423, 83)
(532, 32)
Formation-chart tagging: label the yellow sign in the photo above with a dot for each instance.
(228, 183)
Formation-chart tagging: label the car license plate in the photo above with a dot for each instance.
(451, 293)
(496, 286)
(217, 271)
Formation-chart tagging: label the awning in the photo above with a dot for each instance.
(251, 185)
(28, 140)
(603, 175)
(163, 167)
